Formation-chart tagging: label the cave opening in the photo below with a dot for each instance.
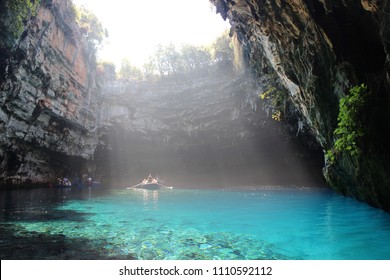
(191, 114)
(202, 128)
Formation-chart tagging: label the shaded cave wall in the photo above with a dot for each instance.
(317, 50)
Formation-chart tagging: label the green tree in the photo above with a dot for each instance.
(20, 10)
(222, 49)
(173, 58)
(90, 26)
(350, 127)
(150, 69)
(168, 60)
(106, 69)
(195, 58)
(128, 71)
(160, 61)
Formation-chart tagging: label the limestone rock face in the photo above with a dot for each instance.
(48, 99)
(316, 50)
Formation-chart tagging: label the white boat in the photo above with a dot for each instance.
(150, 185)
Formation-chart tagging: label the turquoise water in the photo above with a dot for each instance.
(246, 223)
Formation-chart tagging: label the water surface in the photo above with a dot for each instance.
(235, 223)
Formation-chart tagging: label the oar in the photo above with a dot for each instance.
(165, 186)
(134, 186)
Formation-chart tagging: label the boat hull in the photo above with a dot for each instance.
(150, 186)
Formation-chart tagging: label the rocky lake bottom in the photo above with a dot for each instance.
(247, 223)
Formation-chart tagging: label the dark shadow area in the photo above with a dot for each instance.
(43, 215)
(17, 244)
(354, 34)
(39, 204)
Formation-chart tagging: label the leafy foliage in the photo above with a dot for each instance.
(90, 26)
(350, 128)
(195, 58)
(222, 48)
(129, 71)
(274, 100)
(167, 60)
(170, 61)
(106, 70)
(20, 10)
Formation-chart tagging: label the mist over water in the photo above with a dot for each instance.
(215, 168)
(198, 131)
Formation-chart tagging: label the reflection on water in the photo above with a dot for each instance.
(150, 198)
(246, 223)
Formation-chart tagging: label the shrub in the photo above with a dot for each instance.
(350, 127)
(20, 10)
(274, 100)
(90, 26)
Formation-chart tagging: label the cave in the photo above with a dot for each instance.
(269, 142)
(309, 54)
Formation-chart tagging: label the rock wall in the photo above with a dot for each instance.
(316, 50)
(48, 99)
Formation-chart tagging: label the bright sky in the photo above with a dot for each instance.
(135, 27)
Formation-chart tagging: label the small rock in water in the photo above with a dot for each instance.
(204, 246)
(148, 244)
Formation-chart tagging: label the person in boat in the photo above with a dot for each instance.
(150, 178)
(89, 181)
